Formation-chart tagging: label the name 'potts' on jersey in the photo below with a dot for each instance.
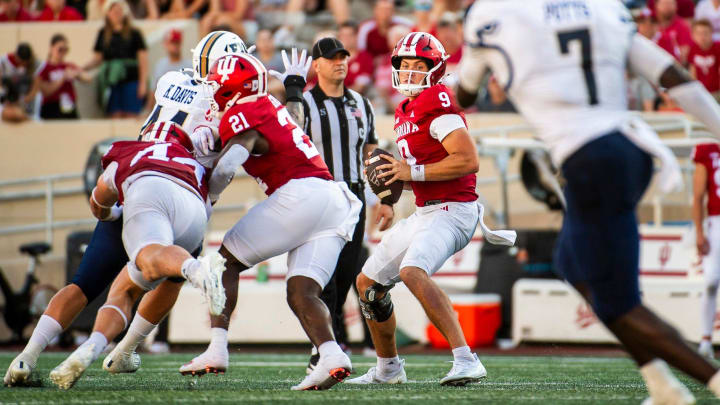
(708, 155)
(421, 125)
(130, 160)
(182, 100)
(291, 155)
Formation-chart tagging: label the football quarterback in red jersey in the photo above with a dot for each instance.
(162, 190)
(306, 214)
(439, 160)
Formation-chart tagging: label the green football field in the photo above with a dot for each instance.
(266, 378)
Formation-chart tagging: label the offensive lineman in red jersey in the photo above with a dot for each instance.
(439, 160)
(306, 214)
(707, 164)
(162, 190)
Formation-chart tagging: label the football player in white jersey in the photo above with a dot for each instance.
(180, 99)
(563, 64)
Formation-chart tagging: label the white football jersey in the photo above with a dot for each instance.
(563, 64)
(182, 100)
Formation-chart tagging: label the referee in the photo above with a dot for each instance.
(341, 123)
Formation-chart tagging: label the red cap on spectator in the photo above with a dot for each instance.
(174, 35)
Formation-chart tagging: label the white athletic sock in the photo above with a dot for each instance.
(99, 340)
(329, 348)
(709, 305)
(388, 365)
(463, 354)
(139, 329)
(314, 351)
(46, 330)
(218, 339)
(190, 270)
(714, 384)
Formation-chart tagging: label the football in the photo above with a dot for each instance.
(389, 194)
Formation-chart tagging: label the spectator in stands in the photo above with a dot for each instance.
(229, 12)
(13, 11)
(424, 18)
(340, 9)
(710, 10)
(450, 34)
(172, 61)
(182, 9)
(675, 35)
(360, 63)
(641, 93)
(57, 10)
(139, 9)
(122, 56)
(16, 71)
(646, 23)
(55, 79)
(373, 34)
(272, 59)
(387, 98)
(685, 8)
(704, 57)
(265, 50)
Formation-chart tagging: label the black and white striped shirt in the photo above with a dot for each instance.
(340, 127)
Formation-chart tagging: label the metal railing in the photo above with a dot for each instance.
(50, 191)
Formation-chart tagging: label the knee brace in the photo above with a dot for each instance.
(378, 310)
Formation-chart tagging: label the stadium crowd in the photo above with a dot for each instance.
(44, 89)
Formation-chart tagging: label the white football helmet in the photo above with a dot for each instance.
(212, 47)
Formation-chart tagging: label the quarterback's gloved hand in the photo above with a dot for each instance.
(294, 66)
(203, 140)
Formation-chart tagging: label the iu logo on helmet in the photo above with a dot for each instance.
(225, 67)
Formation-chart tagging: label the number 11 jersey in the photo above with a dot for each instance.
(291, 154)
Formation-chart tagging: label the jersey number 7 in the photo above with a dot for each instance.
(583, 36)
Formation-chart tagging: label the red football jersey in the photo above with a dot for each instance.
(291, 156)
(708, 155)
(170, 160)
(420, 126)
(707, 65)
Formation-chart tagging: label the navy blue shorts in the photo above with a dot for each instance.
(104, 258)
(123, 98)
(599, 244)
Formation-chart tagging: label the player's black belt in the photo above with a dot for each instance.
(433, 202)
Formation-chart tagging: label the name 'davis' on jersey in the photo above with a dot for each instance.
(407, 127)
(179, 95)
(562, 11)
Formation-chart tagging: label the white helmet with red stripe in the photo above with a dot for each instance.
(236, 79)
(167, 131)
(423, 46)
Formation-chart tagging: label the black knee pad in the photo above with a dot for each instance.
(378, 310)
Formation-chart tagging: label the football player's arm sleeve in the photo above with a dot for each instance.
(470, 74)
(659, 67)
(234, 154)
(443, 125)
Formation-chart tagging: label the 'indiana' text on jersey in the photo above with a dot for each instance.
(179, 94)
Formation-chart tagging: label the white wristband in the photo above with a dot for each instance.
(417, 172)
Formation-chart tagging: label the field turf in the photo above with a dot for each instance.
(266, 378)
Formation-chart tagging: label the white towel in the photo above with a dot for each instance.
(640, 133)
(499, 237)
